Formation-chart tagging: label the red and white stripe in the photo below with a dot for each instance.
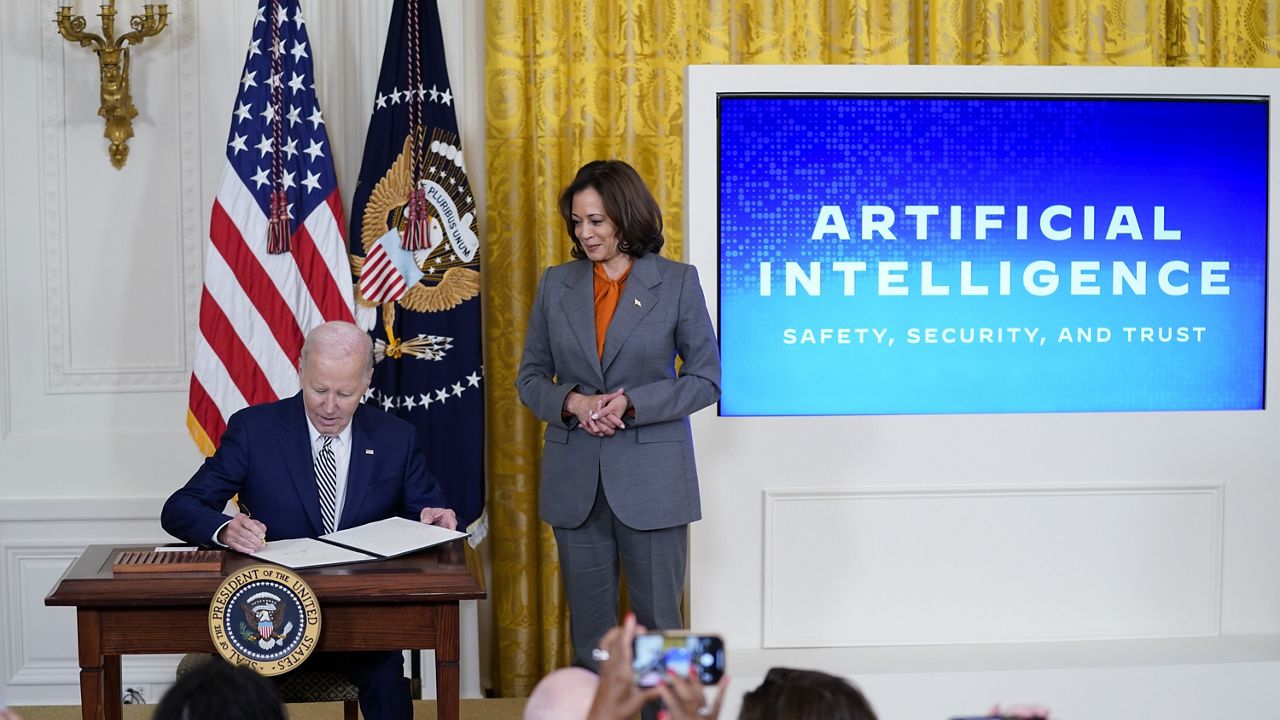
(257, 307)
(380, 280)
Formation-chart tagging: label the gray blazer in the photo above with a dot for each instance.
(647, 469)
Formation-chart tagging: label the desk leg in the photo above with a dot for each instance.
(447, 668)
(113, 700)
(89, 630)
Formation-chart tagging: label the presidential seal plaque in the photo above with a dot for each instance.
(266, 617)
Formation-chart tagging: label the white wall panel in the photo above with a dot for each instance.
(38, 540)
(19, 225)
(42, 650)
(982, 565)
(4, 263)
(116, 240)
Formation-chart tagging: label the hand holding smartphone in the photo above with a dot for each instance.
(655, 653)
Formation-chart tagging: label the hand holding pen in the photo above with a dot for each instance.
(243, 533)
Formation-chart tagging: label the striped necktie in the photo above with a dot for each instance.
(327, 483)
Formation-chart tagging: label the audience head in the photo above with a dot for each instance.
(564, 694)
(788, 694)
(218, 690)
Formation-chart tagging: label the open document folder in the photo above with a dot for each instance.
(374, 541)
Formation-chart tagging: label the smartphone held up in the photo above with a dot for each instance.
(654, 654)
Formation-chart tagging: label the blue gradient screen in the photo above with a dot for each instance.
(985, 254)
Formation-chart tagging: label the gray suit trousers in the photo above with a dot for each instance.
(653, 561)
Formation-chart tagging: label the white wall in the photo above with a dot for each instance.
(100, 276)
(1106, 565)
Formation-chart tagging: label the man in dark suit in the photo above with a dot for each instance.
(308, 465)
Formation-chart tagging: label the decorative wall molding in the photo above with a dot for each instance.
(61, 375)
(5, 395)
(39, 538)
(860, 568)
(17, 513)
(35, 627)
(19, 573)
(52, 134)
(191, 220)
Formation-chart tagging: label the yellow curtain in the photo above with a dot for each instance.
(1237, 33)
(569, 81)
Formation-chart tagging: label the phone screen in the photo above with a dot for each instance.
(657, 653)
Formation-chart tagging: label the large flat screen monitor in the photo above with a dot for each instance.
(928, 250)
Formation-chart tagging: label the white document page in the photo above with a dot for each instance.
(305, 552)
(393, 536)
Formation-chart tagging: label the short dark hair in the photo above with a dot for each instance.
(789, 694)
(218, 690)
(627, 201)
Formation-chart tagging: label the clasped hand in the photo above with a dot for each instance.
(599, 415)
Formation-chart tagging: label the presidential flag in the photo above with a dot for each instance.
(276, 265)
(414, 223)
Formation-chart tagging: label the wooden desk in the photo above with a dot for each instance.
(407, 602)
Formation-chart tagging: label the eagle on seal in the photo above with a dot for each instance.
(266, 619)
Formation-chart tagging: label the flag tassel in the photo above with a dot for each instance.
(417, 232)
(278, 224)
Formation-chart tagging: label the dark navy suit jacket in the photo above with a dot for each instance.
(265, 456)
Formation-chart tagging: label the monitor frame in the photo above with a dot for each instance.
(1245, 343)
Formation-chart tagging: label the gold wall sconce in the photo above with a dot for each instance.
(113, 66)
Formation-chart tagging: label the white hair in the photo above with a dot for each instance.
(337, 339)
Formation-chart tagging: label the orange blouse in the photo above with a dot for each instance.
(607, 292)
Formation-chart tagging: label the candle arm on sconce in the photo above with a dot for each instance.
(115, 102)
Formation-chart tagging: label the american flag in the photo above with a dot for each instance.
(258, 305)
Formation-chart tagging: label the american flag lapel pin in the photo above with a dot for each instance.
(368, 451)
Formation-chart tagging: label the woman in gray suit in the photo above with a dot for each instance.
(618, 477)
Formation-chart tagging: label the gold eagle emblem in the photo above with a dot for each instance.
(451, 273)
